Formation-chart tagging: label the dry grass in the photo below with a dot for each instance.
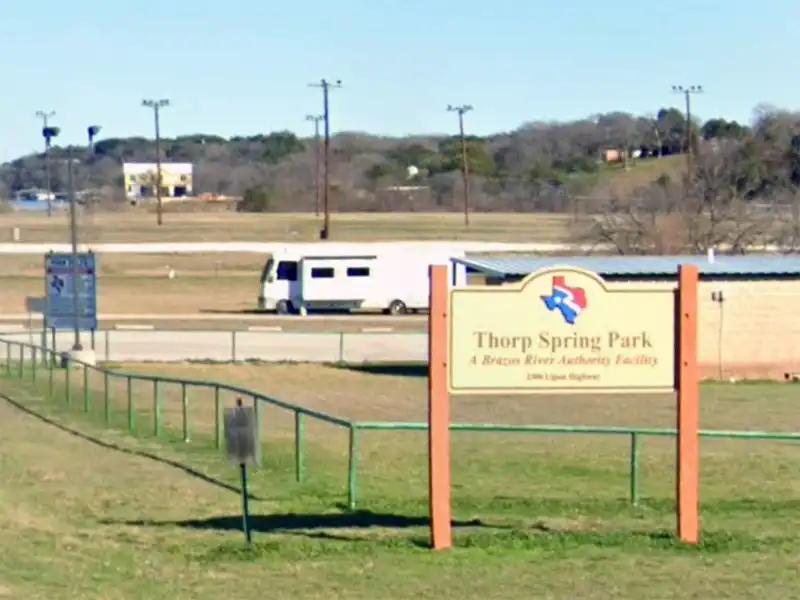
(615, 181)
(138, 284)
(114, 524)
(199, 227)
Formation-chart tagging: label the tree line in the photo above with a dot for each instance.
(539, 166)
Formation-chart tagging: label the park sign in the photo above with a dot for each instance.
(562, 329)
(63, 283)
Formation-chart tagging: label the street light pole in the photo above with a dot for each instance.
(326, 85)
(464, 108)
(687, 92)
(157, 105)
(47, 133)
(73, 237)
(316, 119)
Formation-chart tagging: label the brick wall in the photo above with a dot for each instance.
(753, 333)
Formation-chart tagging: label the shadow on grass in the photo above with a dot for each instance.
(306, 524)
(131, 452)
(396, 369)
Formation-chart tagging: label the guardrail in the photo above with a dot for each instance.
(135, 344)
(25, 361)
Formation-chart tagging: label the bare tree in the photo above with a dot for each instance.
(713, 211)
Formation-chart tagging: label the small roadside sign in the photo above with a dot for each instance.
(241, 444)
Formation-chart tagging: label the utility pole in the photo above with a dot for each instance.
(157, 105)
(326, 85)
(48, 133)
(464, 108)
(316, 119)
(687, 92)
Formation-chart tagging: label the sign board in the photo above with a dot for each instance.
(60, 290)
(240, 435)
(562, 330)
(35, 305)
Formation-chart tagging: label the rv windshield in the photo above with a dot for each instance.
(268, 274)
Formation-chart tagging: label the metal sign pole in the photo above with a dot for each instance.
(245, 505)
(240, 443)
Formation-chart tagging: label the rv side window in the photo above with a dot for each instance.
(358, 271)
(287, 270)
(322, 273)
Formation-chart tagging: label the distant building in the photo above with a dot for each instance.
(32, 195)
(140, 180)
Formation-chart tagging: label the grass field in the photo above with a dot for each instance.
(97, 513)
(241, 227)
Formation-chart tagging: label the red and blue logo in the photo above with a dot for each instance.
(569, 301)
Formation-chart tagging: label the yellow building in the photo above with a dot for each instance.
(140, 180)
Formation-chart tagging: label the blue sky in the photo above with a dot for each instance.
(243, 66)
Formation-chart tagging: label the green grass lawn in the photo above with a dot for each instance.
(91, 510)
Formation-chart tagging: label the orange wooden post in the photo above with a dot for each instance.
(439, 411)
(688, 410)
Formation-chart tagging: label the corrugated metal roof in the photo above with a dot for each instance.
(510, 266)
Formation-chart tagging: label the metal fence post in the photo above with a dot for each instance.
(106, 403)
(34, 360)
(156, 409)
(108, 344)
(218, 419)
(68, 379)
(129, 384)
(257, 411)
(341, 347)
(634, 470)
(299, 448)
(352, 466)
(51, 368)
(86, 401)
(21, 360)
(8, 357)
(185, 412)
(233, 345)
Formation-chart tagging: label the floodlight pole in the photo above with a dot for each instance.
(73, 237)
(157, 105)
(47, 134)
(464, 108)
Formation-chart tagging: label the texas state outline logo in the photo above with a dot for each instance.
(569, 301)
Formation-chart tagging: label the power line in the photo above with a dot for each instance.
(461, 110)
(688, 92)
(157, 105)
(326, 85)
(318, 189)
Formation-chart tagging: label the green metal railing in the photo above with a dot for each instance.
(17, 354)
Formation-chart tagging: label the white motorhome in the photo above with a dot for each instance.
(394, 281)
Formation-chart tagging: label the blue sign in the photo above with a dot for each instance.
(61, 289)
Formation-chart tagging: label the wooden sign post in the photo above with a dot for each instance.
(563, 330)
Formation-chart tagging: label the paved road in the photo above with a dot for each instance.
(224, 346)
(19, 317)
(315, 323)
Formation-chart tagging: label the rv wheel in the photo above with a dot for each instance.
(283, 307)
(397, 307)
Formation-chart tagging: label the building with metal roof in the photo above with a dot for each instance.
(513, 268)
(744, 327)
